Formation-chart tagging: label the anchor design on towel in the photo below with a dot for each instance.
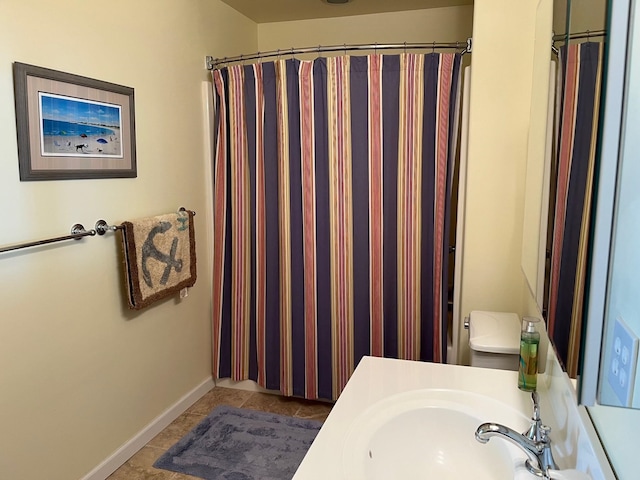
(184, 223)
(149, 250)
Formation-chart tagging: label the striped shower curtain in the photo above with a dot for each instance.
(582, 64)
(331, 187)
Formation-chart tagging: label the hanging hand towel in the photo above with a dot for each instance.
(159, 256)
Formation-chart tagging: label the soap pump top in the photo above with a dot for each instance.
(530, 324)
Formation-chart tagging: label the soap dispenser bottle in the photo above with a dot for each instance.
(529, 342)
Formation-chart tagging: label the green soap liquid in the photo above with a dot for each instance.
(528, 371)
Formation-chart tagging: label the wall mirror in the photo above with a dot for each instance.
(559, 193)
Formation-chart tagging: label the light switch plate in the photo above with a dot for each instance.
(623, 359)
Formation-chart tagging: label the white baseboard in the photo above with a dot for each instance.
(126, 451)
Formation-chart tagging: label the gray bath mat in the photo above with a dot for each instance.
(241, 444)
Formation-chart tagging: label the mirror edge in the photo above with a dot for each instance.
(538, 163)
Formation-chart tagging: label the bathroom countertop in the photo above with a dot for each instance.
(376, 379)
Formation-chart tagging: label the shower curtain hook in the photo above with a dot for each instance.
(433, 47)
(405, 47)
(319, 52)
(344, 45)
(375, 48)
(278, 55)
(588, 35)
(293, 57)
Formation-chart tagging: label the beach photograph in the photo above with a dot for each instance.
(73, 127)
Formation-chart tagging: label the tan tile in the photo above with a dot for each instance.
(267, 402)
(145, 457)
(219, 396)
(176, 430)
(139, 467)
(182, 476)
(121, 473)
(127, 472)
(314, 410)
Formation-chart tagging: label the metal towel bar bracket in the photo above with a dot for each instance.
(103, 227)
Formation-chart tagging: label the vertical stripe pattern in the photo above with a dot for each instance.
(330, 190)
(574, 190)
(409, 204)
(443, 141)
(341, 221)
(376, 218)
(307, 129)
(260, 208)
(286, 375)
(564, 168)
(219, 213)
(240, 227)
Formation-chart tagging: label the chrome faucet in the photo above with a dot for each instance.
(535, 442)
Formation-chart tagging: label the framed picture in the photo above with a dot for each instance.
(72, 127)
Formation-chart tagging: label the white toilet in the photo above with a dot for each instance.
(494, 339)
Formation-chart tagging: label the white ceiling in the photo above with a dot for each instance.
(265, 11)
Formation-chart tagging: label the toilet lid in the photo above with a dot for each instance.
(494, 332)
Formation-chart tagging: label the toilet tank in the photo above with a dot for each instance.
(494, 339)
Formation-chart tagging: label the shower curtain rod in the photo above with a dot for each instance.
(465, 47)
(579, 35)
(575, 36)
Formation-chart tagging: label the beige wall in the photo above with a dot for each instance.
(438, 24)
(588, 15)
(80, 374)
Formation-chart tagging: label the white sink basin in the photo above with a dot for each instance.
(428, 434)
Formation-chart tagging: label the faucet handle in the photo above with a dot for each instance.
(548, 462)
(544, 433)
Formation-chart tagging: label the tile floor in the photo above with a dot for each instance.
(140, 466)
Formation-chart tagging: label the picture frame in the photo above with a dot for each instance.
(72, 127)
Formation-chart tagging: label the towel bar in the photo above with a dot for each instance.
(77, 232)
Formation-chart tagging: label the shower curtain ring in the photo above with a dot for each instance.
(433, 47)
(405, 47)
